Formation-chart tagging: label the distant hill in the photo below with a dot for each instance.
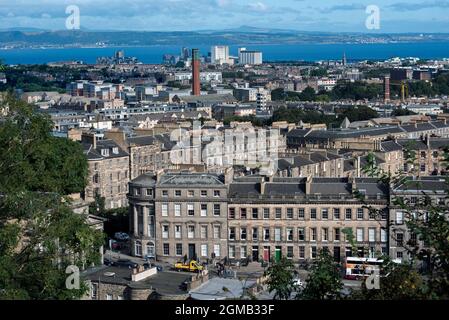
(244, 35)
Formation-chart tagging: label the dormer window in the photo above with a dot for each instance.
(105, 152)
(115, 150)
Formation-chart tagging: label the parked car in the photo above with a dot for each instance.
(126, 263)
(121, 236)
(108, 262)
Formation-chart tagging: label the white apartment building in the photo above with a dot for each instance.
(250, 57)
(220, 55)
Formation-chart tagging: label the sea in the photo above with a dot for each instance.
(273, 52)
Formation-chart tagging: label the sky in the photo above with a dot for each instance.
(424, 16)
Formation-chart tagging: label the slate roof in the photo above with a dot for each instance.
(297, 187)
(95, 154)
(191, 179)
(389, 146)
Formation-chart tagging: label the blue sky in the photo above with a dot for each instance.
(170, 15)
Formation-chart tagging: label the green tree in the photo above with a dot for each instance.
(399, 282)
(40, 235)
(324, 280)
(281, 279)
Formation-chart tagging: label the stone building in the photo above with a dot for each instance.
(414, 192)
(115, 283)
(108, 174)
(179, 214)
(317, 164)
(296, 217)
(429, 155)
(201, 216)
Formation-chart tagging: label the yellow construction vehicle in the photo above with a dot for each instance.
(192, 266)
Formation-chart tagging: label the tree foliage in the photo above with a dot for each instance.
(40, 235)
(281, 279)
(324, 280)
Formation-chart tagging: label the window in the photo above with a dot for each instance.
(191, 232)
(422, 167)
(243, 234)
(302, 252)
(217, 209)
(94, 291)
(138, 248)
(179, 249)
(399, 217)
(203, 232)
(399, 255)
(204, 250)
(217, 250)
(178, 233)
(105, 152)
(383, 235)
(190, 209)
(255, 212)
(278, 213)
(312, 234)
(313, 213)
(277, 234)
(165, 232)
(108, 296)
(166, 249)
(243, 252)
(324, 214)
(301, 214)
(190, 193)
(255, 233)
(149, 192)
(359, 213)
(204, 193)
(217, 232)
(348, 214)
(289, 213)
(301, 234)
(177, 210)
(165, 193)
(359, 234)
(266, 234)
(216, 193)
(325, 234)
(289, 234)
(231, 252)
(337, 234)
(137, 191)
(399, 239)
(266, 213)
(231, 213)
(232, 233)
(371, 234)
(336, 213)
(423, 154)
(203, 212)
(313, 251)
(289, 252)
(164, 210)
(177, 193)
(243, 213)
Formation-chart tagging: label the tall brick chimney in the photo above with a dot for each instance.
(196, 88)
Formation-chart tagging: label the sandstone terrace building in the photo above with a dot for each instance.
(178, 214)
(201, 216)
